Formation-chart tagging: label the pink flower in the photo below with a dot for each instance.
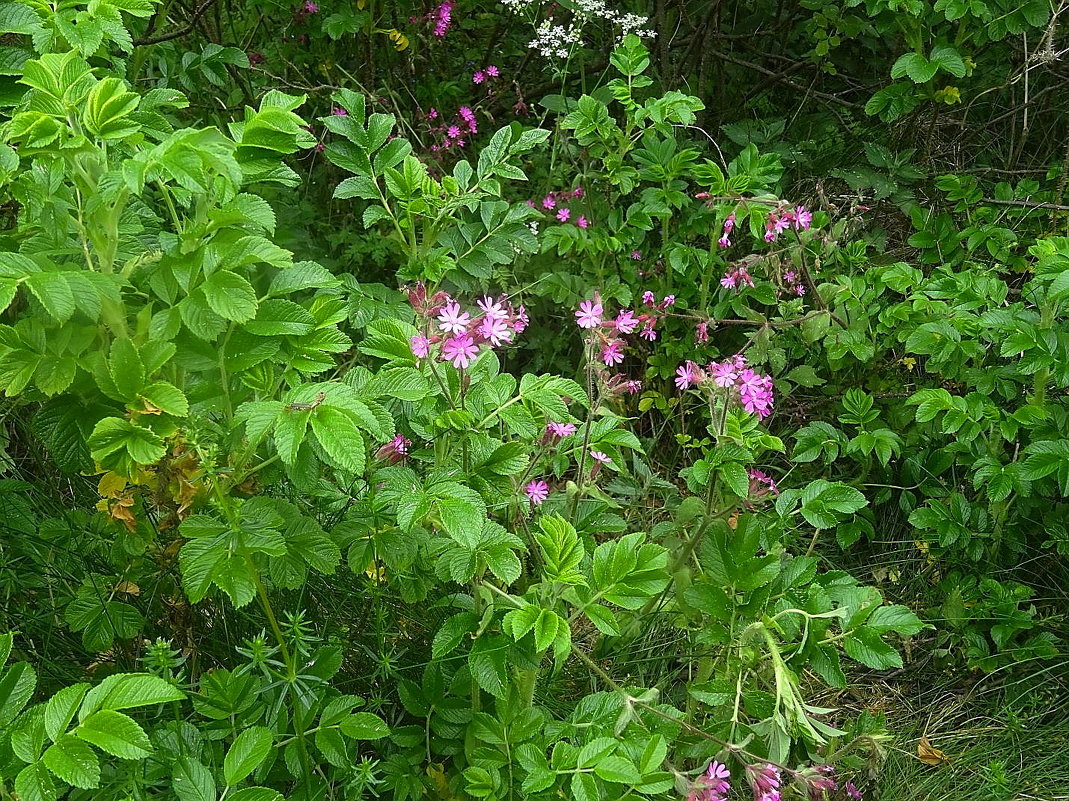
(612, 352)
(311, 7)
(459, 142)
(852, 792)
(686, 376)
(764, 779)
(589, 314)
(421, 346)
(636, 255)
(549, 202)
(647, 298)
(521, 321)
(460, 350)
(560, 430)
(577, 192)
(803, 219)
(713, 785)
(443, 18)
(395, 450)
(761, 483)
(724, 374)
(648, 332)
(492, 308)
(626, 322)
(537, 491)
(601, 457)
(770, 235)
(583, 222)
(564, 214)
(492, 71)
(339, 112)
(755, 392)
(729, 224)
(432, 114)
(669, 300)
(633, 387)
(452, 319)
(453, 132)
(701, 333)
(495, 331)
(728, 281)
(478, 77)
(724, 242)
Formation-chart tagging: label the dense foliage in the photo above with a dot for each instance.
(522, 400)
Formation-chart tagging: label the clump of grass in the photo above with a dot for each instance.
(1010, 747)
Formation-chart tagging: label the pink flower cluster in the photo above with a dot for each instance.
(554, 200)
(754, 389)
(822, 783)
(793, 283)
(765, 780)
(780, 219)
(453, 131)
(761, 484)
(460, 335)
(713, 785)
(736, 279)
(485, 74)
(395, 450)
(609, 334)
(538, 490)
(442, 17)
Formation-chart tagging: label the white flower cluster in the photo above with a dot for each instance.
(632, 23)
(554, 41)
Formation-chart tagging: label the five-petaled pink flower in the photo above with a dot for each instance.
(636, 255)
(583, 222)
(549, 202)
(537, 492)
(560, 430)
(612, 352)
(492, 71)
(495, 331)
(460, 350)
(421, 346)
(311, 7)
(564, 214)
(589, 314)
(626, 322)
(492, 308)
(687, 375)
(452, 319)
(453, 132)
(601, 457)
(478, 77)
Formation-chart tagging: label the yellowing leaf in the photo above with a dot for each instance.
(929, 754)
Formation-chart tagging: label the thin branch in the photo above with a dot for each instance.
(198, 12)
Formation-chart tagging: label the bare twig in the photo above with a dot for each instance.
(198, 12)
